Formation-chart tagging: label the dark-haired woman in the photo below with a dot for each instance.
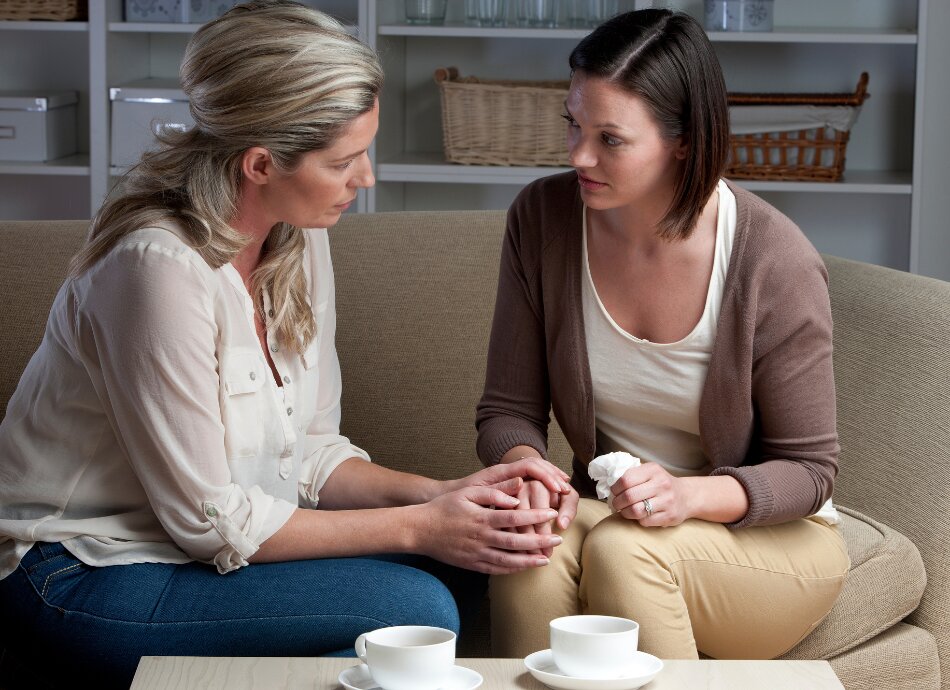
(664, 312)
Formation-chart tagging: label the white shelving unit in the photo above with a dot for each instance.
(874, 214)
(890, 209)
(89, 57)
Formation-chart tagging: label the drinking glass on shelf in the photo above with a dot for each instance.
(537, 14)
(425, 12)
(471, 13)
(576, 14)
(599, 11)
(491, 12)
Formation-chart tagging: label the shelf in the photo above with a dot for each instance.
(431, 167)
(460, 30)
(70, 165)
(785, 35)
(805, 35)
(175, 27)
(153, 27)
(38, 25)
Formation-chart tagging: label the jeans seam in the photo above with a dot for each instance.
(228, 620)
(51, 575)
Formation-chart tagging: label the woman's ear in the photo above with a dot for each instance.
(257, 166)
(681, 149)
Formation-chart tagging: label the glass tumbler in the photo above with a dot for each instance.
(599, 11)
(425, 12)
(491, 12)
(537, 14)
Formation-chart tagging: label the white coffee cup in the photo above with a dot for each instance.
(594, 646)
(408, 657)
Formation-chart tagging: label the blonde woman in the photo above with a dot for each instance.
(173, 478)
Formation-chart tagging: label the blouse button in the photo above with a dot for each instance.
(273, 348)
(270, 313)
(253, 375)
(212, 511)
(286, 379)
(290, 411)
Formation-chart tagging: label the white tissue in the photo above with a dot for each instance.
(828, 514)
(606, 469)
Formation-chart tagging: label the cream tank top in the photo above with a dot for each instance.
(646, 395)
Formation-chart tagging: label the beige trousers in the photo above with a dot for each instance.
(699, 587)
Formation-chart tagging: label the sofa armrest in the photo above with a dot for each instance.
(892, 371)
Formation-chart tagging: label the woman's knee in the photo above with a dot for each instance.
(422, 599)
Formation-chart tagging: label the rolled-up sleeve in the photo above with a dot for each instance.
(147, 333)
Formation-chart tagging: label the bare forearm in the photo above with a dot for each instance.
(335, 534)
(360, 484)
(716, 499)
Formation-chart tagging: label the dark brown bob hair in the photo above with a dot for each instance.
(666, 59)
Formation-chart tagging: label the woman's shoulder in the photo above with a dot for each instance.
(154, 252)
(559, 190)
(770, 240)
(547, 209)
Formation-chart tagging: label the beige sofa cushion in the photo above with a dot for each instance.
(900, 658)
(884, 585)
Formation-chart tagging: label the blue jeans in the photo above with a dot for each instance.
(65, 621)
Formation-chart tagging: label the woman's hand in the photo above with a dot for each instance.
(552, 477)
(668, 497)
(460, 528)
(535, 495)
(545, 486)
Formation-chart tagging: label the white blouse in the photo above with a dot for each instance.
(148, 426)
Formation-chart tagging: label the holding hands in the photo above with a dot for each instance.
(459, 526)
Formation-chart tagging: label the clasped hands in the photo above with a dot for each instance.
(667, 495)
(501, 519)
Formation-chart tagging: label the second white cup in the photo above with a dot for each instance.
(594, 646)
(408, 657)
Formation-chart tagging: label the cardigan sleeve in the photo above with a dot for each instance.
(790, 471)
(515, 405)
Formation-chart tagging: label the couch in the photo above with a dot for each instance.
(415, 297)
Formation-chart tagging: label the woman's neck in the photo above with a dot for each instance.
(251, 221)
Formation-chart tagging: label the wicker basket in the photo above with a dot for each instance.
(502, 122)
(57, 10)
(810, 154)
(518, 123)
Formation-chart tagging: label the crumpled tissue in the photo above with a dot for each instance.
(606, 469)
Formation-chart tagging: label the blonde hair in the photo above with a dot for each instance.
(274, 74)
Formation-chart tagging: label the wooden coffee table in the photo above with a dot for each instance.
(320, 673)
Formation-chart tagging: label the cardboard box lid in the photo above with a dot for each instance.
(38, 101)
(151, 90)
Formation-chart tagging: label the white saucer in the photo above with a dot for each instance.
(359, 678)
(541, 665)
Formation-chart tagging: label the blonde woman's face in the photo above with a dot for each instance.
(325, 183)
(616, 147)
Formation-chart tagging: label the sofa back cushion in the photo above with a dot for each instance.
(33, 259)
(415, 298)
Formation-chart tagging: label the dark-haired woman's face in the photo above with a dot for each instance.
(616, 147)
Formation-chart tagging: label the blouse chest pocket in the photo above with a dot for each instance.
(243, 377)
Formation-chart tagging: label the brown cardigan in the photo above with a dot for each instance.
(767, 413)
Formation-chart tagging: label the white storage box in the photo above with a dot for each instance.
(140, 110)
(37, 126)
(188, 11)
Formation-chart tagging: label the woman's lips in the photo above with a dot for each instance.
(588, 183)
